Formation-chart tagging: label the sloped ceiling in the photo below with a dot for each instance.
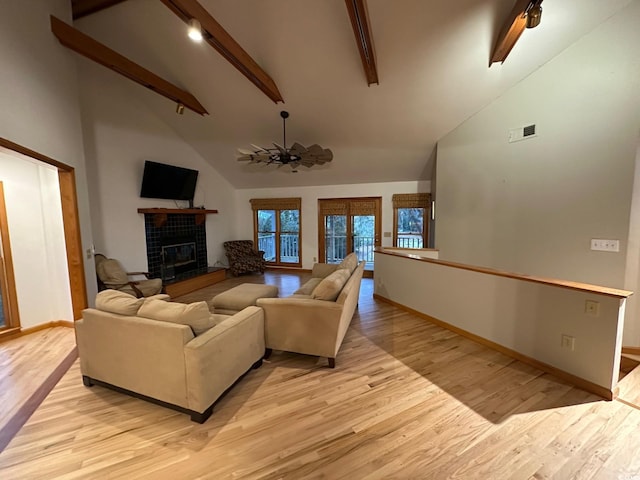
(432, 59)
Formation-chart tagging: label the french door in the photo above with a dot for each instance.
(348, 225)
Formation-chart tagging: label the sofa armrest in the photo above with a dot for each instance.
(302, 325)
(221, 355)
(321, 270)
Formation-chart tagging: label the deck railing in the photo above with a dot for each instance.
(336, 248)
(289, 248)
(409, 241)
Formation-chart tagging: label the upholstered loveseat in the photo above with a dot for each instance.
(315, 319)
(178, 355)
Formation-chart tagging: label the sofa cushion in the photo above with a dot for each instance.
(113, 301)
(196, 315)
(308, 287)
(329, 288)
(350, 262)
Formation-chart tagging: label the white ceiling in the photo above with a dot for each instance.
(432, 59)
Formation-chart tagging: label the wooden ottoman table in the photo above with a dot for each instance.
(242, 296)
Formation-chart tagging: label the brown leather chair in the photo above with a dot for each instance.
(111, 275)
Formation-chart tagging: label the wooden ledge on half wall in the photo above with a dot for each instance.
(161, 214)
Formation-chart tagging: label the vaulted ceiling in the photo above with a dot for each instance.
(432, 62)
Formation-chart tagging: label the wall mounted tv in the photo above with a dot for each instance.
(168, 181)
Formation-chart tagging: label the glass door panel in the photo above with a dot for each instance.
(289, 235)
(335, 238)
(364, 236)
(267, 234)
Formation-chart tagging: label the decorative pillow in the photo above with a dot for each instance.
(111, 272)
(329, 288)
(196, 315)
(113, 301)
(350, 262)
(308, 287)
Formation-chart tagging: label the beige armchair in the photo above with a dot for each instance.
(111, 275)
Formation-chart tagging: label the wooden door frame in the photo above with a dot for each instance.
(7, 277)
(378, 223)
(71, 224)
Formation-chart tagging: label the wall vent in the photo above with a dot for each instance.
(522, 133)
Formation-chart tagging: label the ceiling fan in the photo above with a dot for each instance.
(281, 155)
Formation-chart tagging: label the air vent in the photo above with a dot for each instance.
(528, 131)
(522, 133)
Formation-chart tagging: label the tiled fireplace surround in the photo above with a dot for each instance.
(179, 228)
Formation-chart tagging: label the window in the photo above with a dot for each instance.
(276, 227)
(410, 220)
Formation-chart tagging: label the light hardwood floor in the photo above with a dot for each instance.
(407, 400)
(30, 366)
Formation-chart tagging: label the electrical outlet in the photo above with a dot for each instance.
(568, 342)
(315, 259)
(592, 308)
(604, 245)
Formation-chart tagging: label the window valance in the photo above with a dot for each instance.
(411, 200)
(276, 203)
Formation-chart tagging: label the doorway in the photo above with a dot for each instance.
(70, 225)
(348, 225)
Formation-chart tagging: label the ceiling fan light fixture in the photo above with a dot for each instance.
(280, 155)
(195, 30)
(534, 14)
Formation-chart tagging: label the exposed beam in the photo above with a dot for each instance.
(82, 8)
(224, 43)
(511, 31)
(364, 38)
(96, 51)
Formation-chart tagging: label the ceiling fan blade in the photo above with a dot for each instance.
(280, 148)
(259, 149)
(244, 151)
(297, 149)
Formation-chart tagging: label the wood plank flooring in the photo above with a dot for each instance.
(28, 372)
(407, 400)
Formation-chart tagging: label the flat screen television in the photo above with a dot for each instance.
(168, 181)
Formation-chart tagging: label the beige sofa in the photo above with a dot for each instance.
(181, 356)
(314, 320)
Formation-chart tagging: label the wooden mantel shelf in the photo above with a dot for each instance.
(161, 214)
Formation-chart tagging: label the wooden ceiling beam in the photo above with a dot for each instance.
(219, 38)
(359, 17)
(82, 8)
(92, 49)
(511, 30)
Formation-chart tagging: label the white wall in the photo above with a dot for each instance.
(36, 231)
(526, 317)
(309, 213)
(533, 206)
(120, 134)
(40, 105)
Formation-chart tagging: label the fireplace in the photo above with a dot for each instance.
(176, 248)
(178, 258)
